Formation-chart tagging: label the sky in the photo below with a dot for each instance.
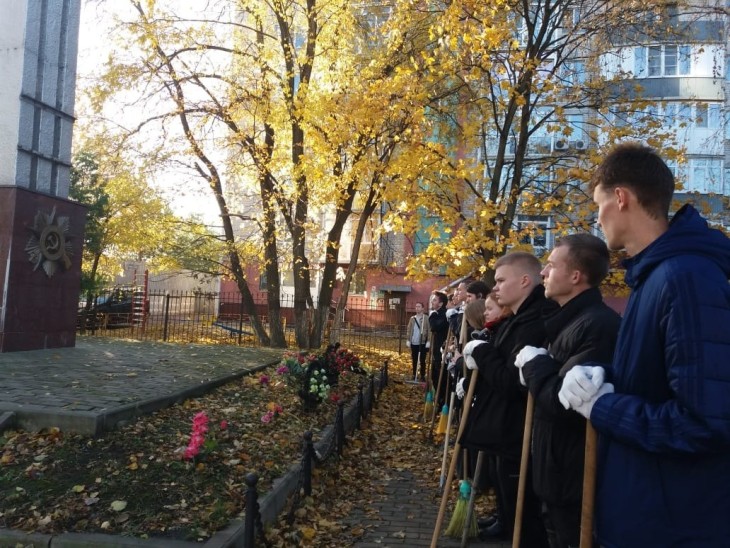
(193, 197)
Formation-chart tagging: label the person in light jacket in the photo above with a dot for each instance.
(417, 335)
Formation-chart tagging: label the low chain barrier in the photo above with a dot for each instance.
(334, 443)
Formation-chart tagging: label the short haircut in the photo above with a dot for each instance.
(441, 297)
(478, 288)
(588, 254)
(527, 261)
(474, 313)
(639, 168)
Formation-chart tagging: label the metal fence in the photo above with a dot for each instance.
(198, 317)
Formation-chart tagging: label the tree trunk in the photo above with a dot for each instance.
(342, 301)
(90, 293)
(271, 255)
(331, 262)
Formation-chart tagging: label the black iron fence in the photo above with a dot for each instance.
(198, 317)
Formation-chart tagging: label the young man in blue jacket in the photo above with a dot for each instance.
(664, 418)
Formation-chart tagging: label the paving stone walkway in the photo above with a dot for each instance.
(406, 517)
(91, 387)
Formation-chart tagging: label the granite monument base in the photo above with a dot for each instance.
(41, 239)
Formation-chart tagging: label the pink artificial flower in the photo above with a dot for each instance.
(283, 370)
(200, 422)
(191, 452)
(266, 418)
(224, 425)
(264, 379)
(278, 409)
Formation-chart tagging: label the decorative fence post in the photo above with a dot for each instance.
(340, 427)
(371, 399)
(240, 321)
(360, 406)
(307, 463)
(166, 318)
(252, 508)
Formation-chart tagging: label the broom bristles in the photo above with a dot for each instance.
(427, 411)
(458, 519)
(428, 407)
(443, 420)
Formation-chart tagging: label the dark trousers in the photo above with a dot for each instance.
(507, 472)
(418, 356)
(563, 524)
(439, 395)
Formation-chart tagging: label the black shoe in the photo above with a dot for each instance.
(494, 531)
(483, 523)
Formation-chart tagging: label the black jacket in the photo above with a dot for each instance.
(439, 327)
(583, 330)
(497, 417)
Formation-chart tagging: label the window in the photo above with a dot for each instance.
(655, 61)
(699, 115)
(539, 233)
(708, 115)
(705, 176)
(640, 62)
(263, 285)
(666, 60)
(575, 72)
(357, 284)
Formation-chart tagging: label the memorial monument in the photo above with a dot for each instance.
(41, 231)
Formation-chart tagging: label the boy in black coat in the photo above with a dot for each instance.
(583, 329)
(497, 418)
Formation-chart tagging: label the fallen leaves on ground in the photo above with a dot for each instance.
(133, 481)
(393, 439)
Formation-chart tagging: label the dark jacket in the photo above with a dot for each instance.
(664, 435)
(439, 327)
(497, 418)
(583, 330)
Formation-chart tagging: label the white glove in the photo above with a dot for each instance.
(580, 384)
(469, 348)
(460, 388)
(527, 354)
(428, 345)
(470, 363)
(450, 312)
(431, 312)
(408, 344)
(585, 407)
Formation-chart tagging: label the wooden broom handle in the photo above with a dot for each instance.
(454, 457)
(589, 488)
(522, 482)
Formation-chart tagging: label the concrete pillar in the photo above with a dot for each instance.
(41, 231)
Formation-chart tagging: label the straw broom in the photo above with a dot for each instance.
(459, 525)
(452, 466)
(438, 386)
(468, 533)
(443, 419)
(428, 406)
